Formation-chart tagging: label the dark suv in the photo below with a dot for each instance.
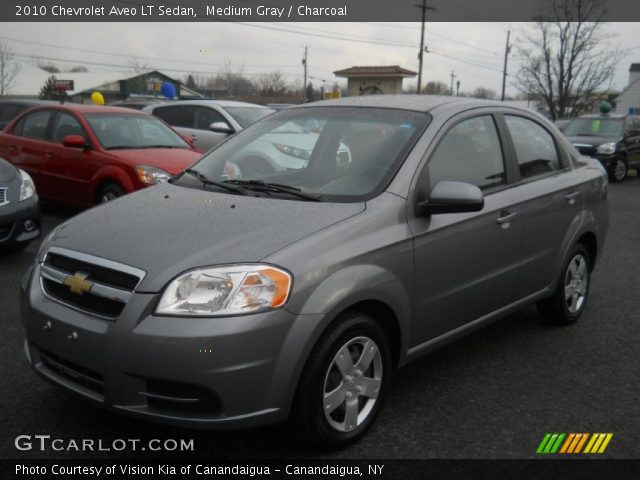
(612, 139)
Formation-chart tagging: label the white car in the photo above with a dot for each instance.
(208, 122)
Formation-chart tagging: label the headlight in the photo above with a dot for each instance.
(228, 290)
(607, 148)
(151, 175)
(293, 152)
(27, 188)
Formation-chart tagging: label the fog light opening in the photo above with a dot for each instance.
(29, 225)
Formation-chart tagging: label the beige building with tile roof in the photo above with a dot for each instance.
(374, 80)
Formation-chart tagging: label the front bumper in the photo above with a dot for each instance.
(212, 373)
(12, 221)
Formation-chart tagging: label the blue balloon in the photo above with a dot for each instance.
(168, 90)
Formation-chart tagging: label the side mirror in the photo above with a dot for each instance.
(187, 138)
(221, 127)
(452, 197)
(75, 141)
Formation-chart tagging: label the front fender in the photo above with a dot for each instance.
(115, 174)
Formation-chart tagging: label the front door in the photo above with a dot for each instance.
(466, 264)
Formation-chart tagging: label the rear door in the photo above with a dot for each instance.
(632, 141)
(466, 264)
(26, 145)
(551, 198)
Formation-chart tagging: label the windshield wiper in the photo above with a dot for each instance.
(262, 186)
(159, 146)
(206, 181)
(120, 147)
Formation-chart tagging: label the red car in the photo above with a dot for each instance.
(83, 155)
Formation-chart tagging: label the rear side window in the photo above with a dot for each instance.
(64, 125)
(34, 125)
(177, 116)
(470, 152)
(535, 148)
(206, 116)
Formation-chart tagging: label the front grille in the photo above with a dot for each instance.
(4, 196)
(92, 284)
(91, 303)
(96, 273)
(73, 372)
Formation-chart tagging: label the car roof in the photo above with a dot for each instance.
(81, 108)
(608, 115)
(417, 103)
(221, 103)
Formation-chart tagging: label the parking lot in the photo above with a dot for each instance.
(493, 394)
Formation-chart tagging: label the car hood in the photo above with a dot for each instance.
(167, 229)
(8, 172)
(172, 160)
(593, 141)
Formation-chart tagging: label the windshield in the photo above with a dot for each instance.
(124, 131)
(594, 127)
(245, 116)
(336, 153)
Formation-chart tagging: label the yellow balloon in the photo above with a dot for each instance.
(97, 98)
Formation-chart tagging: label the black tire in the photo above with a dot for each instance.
(108, 192)
(331, 430)
(560, 310)
(618, 170)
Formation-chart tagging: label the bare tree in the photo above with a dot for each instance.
(47, 66)
(271, 84)
(568, 61)
(482, 92)
(233, 79)
(8, 69)
(436, 88)
(79, 69)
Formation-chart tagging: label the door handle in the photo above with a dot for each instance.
(49, 153)
(571, 197)
(506, 219)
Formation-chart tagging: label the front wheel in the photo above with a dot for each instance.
(570, 297)
(618, 170)
(344, 383)
(109, 192)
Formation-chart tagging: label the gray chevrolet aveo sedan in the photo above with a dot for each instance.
(222, 300)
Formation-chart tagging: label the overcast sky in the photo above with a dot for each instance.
(474, 51)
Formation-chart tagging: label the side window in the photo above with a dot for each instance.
(35, 124)
(470, 152)
(65, 124)
(635, 124)
(206, 116)
(535, 148)
(176, 116)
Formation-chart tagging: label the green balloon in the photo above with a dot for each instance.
(605, 107)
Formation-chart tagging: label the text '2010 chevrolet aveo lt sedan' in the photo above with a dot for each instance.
(295, 293)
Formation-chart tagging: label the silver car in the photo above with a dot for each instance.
(294, 294)
(208, 122)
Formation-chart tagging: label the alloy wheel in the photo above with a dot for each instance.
(575, 284)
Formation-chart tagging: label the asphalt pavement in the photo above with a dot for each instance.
(493, 394)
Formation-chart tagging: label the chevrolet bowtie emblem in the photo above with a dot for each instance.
(78, 283)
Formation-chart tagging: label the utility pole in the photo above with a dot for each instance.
(421, 53)
(504, 70)
(453, 75)
(458, 88)
(304, 64)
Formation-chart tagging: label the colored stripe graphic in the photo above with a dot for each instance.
(574, 443)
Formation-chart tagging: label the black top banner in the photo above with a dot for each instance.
(317, 10)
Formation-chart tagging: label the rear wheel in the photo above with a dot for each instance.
(618, 170)
(109, 192)
(570, 297)
(344, 383)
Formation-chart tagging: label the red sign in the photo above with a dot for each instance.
(63, 85)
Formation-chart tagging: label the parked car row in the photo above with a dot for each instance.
(401, 224)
